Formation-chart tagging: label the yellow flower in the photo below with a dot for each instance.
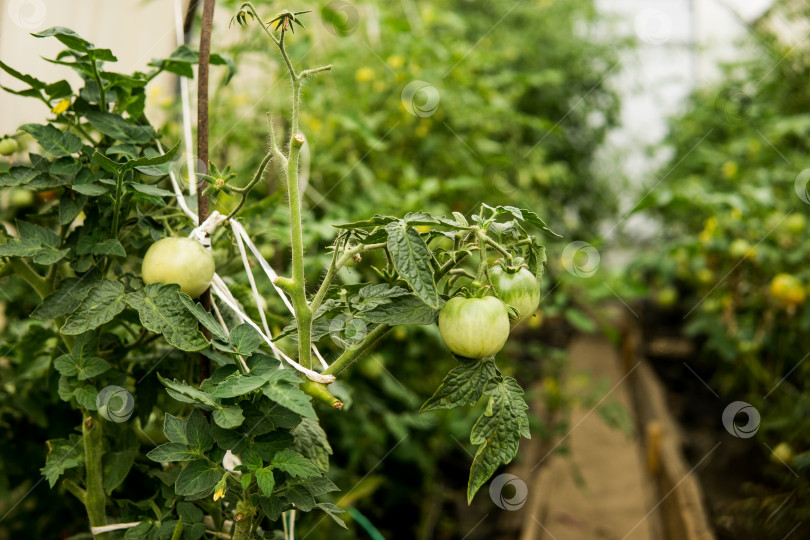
(220, 493)
(364, 74)
(61, 107)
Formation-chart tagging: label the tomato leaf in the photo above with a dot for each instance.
(119, 129)
(266, 481)
(237, 385)
(64, 454)
(102, 303)
(412, 261)
(311, 441)
(463, 385)
(245, 339)
(228, 416)
(188, 394)
(497, 431)
(161, 312)
(402, 310)
(294, 464)
(53, 140)
(197, 478)
(170, 452)
(204, 317)
(282, 387)
(330, 510)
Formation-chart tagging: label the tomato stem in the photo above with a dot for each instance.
(95, 498)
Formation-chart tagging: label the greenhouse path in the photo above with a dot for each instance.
(599, 489)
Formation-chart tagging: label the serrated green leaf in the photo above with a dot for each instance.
(237, 385)
(281, 389)
(204, 317)
(228, 416)
(170, 452)
(294, 464)
(268, 444)
(245, 339)
(331, 510)
(251, 459)
(412, 260)
(406, 310)
(86, 397)
(265, 480)
(103, 302)
(18, 176)
(198, 431)
(70, 205)
(119, 129)
(161, 312)
(197, 478)
(463, 385)
(375, 221)
(311, 441)
(186, 393)
(497, 432)
(54, 141)
(175, 429)
(116, 466)
(111, 246)
(106, 163)
(64, 454)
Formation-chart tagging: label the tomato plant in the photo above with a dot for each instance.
(114, 330)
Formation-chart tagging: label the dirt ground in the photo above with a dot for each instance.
(598, 489)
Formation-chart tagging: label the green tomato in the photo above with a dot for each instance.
(474, 327)
(179, 260)
(520, 289)
(782, 453)
(8, 147)
(667, 297)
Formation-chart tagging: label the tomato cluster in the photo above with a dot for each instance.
(479, 327)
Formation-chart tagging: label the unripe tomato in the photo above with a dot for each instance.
(183, 261)
(474, 327)
(520, 290)
(787, 290)
(8, 147)
(535, 322)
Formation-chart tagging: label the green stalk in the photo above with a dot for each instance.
(245, 191)
(303, 313)
(119, 187)
(243, 528)
(95, 499)
(37, 282)
(102, 99)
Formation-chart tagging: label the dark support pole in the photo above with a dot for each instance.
(202, 145)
